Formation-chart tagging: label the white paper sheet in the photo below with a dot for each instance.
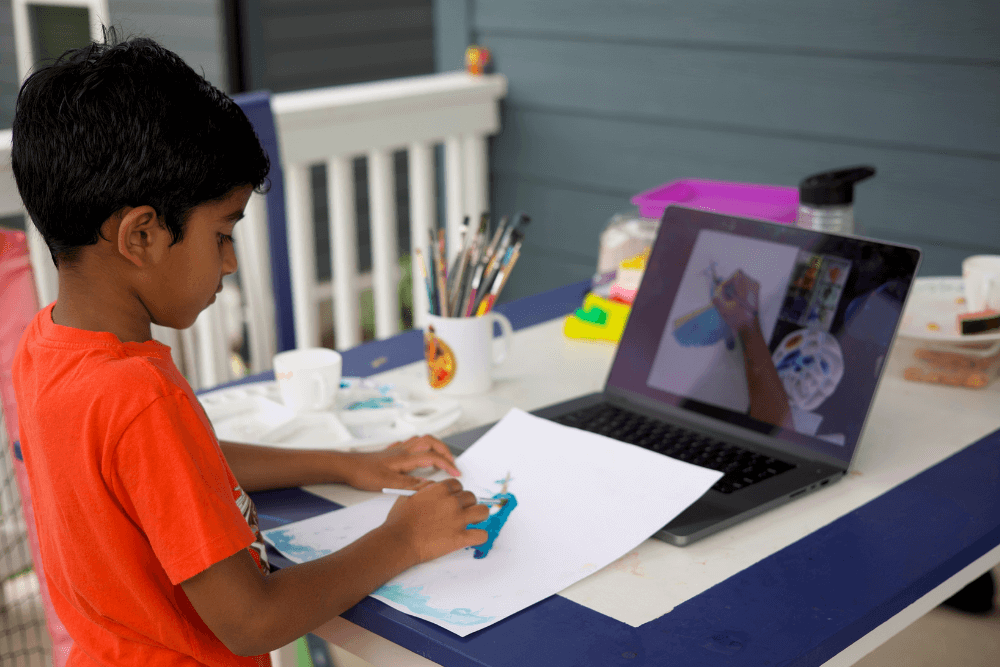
(583, 500)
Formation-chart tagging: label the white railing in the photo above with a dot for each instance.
(333, 126)
(46, 282)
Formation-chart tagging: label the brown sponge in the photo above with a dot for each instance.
(979, 322)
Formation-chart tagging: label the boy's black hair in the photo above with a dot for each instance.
(125, 124)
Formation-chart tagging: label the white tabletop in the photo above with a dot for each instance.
(912, 427)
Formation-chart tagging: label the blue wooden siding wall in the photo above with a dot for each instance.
(191, 28)
(608, 98)
(303, 44)
(8, 66)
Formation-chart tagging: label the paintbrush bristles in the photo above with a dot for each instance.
(479, 268)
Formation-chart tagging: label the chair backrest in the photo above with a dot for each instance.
(257, 107)
(261, 299)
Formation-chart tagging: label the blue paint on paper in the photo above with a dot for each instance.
(372, 403)
(418, 604)
(284, 541)
(707, 328)
(494, 523)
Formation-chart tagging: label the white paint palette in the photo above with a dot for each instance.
(932, 312)
(366, 417)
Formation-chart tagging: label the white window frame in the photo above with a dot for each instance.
(97, 12)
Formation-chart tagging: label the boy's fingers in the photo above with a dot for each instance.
(427, 443)
(415, 483)
(475, 536)
(479, 513)
(401, 444)
(432, 459)
(467, 499)
(453, 485)
(441, 448)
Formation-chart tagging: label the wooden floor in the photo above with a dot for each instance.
(943, 638)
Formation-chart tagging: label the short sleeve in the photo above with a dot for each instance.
(171, 477)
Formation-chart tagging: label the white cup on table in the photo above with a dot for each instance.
(308, 379)
(981, 278)
(460, 354)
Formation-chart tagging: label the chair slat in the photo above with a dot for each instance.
(46, 276)
(255, 280)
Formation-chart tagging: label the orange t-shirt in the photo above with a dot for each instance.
(132, 495)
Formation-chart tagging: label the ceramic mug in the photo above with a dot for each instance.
(308, 379)
(981, 277)
(460, 353)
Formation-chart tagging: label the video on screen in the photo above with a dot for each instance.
(789, 337)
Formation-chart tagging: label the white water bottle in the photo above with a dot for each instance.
(826, 200)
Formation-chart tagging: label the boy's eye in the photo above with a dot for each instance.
(225, 238)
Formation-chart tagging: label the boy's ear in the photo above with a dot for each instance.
(141, 235)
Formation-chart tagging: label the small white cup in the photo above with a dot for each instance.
(981, 277)
(460, 354)
(308, 378)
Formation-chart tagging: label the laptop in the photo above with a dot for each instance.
(781, 406)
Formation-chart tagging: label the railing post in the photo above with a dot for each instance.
(475, 161)
(454, 192)
(382, 197)
(301, 255)
(422, 218)
(343, 250)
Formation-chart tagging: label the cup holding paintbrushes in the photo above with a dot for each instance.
(458, 337)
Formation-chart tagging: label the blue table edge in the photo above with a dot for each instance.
(800, 606)
(755, 617)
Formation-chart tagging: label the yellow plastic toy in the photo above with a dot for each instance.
(477, 60)
(598, 319)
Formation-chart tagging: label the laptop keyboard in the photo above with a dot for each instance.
(742, 468)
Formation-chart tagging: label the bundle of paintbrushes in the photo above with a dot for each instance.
(479, 269)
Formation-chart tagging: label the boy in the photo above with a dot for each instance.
(136, 170)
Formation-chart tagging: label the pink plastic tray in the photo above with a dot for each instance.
(766, 202)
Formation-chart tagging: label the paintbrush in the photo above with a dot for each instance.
(410, 492)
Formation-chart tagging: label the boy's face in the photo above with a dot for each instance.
(191, 274)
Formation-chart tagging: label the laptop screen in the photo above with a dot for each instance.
(771, 327)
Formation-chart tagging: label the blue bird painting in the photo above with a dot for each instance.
(705, 326)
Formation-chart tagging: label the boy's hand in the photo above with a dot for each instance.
(737, 301)
(387, 469)
(433, 522)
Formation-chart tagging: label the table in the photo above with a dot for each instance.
(822, 580)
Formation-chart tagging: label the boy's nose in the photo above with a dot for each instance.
(229, 262)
